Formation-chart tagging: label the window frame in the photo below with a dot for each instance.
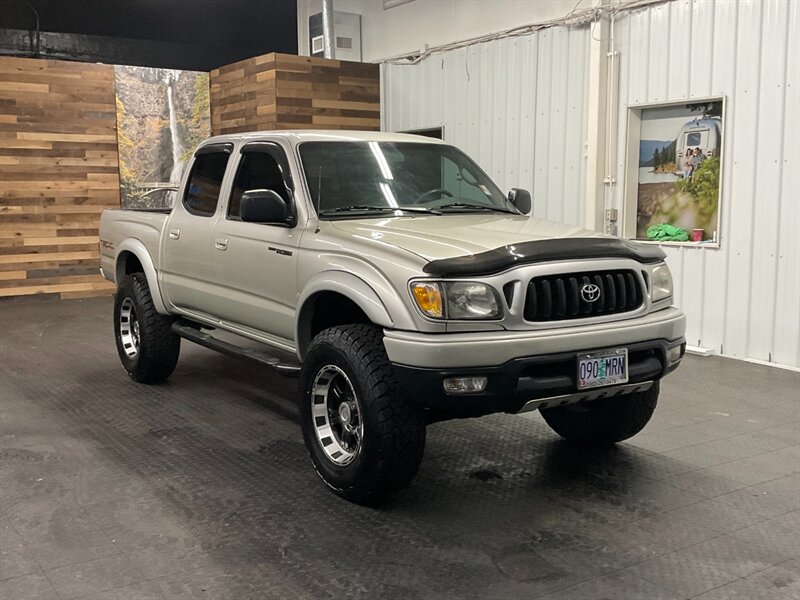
(277, 152)
(226, 148)
(629, 191)
(435, 133)
(694, 133)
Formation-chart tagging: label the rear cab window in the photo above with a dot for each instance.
(204, 184)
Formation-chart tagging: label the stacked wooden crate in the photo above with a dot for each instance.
(282, 91)
(58, 170)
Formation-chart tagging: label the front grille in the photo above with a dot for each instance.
(560, 297)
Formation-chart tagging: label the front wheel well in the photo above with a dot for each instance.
(324, 310)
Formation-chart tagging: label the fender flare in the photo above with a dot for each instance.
(139, 250)
(351, 287)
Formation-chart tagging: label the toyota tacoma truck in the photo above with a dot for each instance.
(401, 286)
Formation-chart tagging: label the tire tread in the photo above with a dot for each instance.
(398, 426)
(160, 347)
(605, 421)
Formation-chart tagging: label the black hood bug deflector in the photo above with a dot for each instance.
(505, 257)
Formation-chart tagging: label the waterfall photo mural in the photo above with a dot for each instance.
(162, 114)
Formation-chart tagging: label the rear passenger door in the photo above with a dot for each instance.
(186, 260)
(256, 263)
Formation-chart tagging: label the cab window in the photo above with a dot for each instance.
(205, 182)
(257, 171)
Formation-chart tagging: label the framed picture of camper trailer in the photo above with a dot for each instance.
(673, 177)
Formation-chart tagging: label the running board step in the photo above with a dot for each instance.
(586, 396)
(193, 334)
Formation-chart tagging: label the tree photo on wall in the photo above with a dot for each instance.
(162, 114)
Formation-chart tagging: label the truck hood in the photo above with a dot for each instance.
(449, 236)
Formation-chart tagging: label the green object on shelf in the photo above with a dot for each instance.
(667, 233)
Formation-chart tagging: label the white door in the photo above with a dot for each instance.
(186, 255)
(255, 263)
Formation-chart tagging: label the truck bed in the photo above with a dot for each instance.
(138, 225)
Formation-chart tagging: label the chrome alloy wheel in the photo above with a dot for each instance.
(336, 415)
(129, 328)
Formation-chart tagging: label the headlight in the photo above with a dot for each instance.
(456, 299)
(660, 283)
(470, 300)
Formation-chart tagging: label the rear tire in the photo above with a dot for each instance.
(605, 421)
(365, 440)
(146, 345)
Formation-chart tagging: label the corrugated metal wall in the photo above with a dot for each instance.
(517, 106)
(744, 298)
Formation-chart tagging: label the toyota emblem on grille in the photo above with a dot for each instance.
(590, 292)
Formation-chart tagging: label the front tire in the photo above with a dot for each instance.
(146, 345)
(606, 421)
(365, 440)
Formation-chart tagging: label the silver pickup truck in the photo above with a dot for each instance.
(392, 276)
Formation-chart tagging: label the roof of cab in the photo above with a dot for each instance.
(320, 135)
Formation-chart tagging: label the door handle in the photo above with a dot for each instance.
(221, 243)
(174, 234)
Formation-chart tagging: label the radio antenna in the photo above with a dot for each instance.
(319, 189)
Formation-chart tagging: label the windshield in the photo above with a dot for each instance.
(407, 178)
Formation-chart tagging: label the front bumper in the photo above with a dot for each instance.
(488, 348)
(524, 366)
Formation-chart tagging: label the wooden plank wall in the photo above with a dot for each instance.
(59, 166)
(58, 170)
(283, 91)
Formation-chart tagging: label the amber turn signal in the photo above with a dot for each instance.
(428, 297)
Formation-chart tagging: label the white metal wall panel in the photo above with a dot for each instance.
(517, 106)
(744, 298)
(767, 193)
(786, 326)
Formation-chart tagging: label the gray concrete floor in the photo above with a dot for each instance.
(201, 488)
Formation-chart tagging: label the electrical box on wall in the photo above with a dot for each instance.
(346, 30)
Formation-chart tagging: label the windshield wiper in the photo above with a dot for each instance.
(355, 208)
(478, 206)
(373, 208)
(419, 209)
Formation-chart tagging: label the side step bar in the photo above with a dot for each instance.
(193, 334)
(586, 396)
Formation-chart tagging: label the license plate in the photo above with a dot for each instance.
(602, 368)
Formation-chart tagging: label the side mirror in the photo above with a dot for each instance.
(521, 199)
(263, 206)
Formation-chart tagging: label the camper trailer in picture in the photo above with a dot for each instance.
(704, 133)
